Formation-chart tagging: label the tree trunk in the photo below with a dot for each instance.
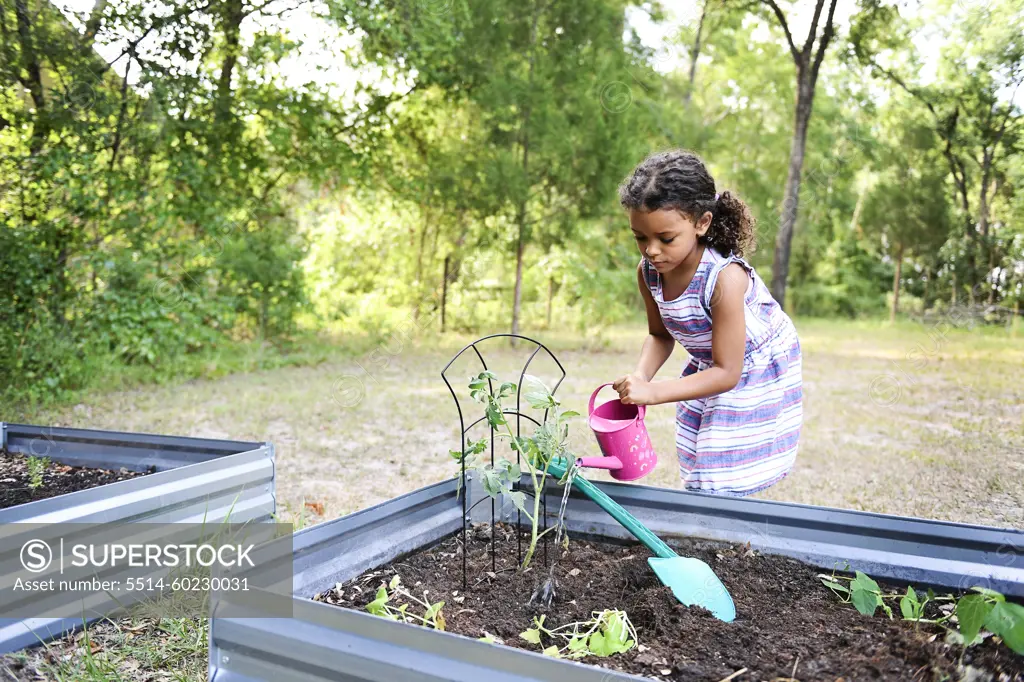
(808, 62)
(896, 284)
(234, 12)
(952, 296)
(444, 291)
(551, 295)
(517, 299)
(994, 286)
(926, 296)
(695, 52)
(418, 289)
(791, 198)
(30, 62)
(1016, 315)
(857, 208)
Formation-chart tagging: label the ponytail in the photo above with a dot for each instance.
(732, 226)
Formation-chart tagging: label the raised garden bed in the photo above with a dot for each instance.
(783, 610)
(151, 478)
(25, 479)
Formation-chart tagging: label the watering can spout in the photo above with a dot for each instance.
(599, 462)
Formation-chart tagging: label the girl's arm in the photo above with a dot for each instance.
(728, 341)
(659, 344)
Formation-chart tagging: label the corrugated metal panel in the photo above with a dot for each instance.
(346, 546)
(134, 451)
(324, 642)
(197, 479)
(903, 549)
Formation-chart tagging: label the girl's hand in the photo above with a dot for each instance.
(634, 390)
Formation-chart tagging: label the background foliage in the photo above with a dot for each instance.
(179, 177)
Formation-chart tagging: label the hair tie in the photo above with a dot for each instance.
(716, 196)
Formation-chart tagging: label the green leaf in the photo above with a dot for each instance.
(834, 586)
(552, 651)
(1007, 620)
(395, 581)
(382, 593)
(376, 607)
(570, 413)
(518, 499)
(972, 611)
(509, 470)
(487, 638)
(539, 401)
(495, 417)
(597, 645)
(865, 601)
(991, 594)
(434, 609)
(532, 635)
(863, 582)
(578, 643)
(615, 628)
(491, 481)
(909, 606)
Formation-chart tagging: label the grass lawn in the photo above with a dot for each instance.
(904, 419)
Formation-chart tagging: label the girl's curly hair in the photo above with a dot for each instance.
(677, 179)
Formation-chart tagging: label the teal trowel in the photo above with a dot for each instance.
(692, 581)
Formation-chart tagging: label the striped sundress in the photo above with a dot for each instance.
(743, 440)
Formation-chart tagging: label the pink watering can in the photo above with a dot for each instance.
(622, 436)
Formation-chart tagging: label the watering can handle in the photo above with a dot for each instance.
(642, 409)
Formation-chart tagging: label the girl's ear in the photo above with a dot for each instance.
(703, 224)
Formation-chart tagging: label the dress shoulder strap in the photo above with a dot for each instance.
(649, 273)
(718, 264)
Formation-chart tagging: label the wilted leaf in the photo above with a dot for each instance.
(532, 635)
(519, 500)
(834, 586)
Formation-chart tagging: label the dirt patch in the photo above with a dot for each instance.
(57, 479)
(788, 624)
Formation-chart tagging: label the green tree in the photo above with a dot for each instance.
(546, 81)
(907, 207)
(972, 109)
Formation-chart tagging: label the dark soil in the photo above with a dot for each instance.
(58, 479)
(789, 626)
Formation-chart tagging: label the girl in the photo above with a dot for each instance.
(739, 400)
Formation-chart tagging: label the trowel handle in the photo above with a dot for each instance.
(651, 541)
(641, 409)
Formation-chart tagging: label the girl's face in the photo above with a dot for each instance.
(667, 237)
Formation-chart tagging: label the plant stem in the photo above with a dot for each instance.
(538, 489)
